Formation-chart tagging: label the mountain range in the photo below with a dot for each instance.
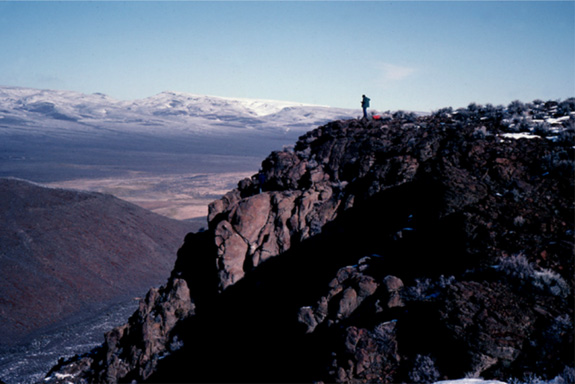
(49, 135)
(175, 111)
(171, 153)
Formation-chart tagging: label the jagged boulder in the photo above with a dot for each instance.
(393, 286)
(264, 225)
(349, 288)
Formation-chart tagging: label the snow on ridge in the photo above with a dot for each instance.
(469, 381)
(31, 94)
(178, 103)
(19, 97)
(256, 107)
(40, 112)
(520, 135)
(74, 105)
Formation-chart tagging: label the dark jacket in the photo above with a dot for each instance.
(365, 102)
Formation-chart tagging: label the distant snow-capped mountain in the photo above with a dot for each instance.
(190, 104)
(175, 111)
(48, 135)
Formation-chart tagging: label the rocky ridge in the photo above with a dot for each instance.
(404, 249)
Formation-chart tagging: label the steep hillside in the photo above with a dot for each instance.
(406, 249)
(63, 252)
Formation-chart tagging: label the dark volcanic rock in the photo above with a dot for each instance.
(63, 252)
(492, 322)
(399, 250)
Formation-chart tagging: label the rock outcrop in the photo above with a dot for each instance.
(405, 249)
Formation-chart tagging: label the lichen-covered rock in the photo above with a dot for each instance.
(370, 356)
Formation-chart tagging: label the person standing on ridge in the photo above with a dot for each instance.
(261, 180)
(364, 105)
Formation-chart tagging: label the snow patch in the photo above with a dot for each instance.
(520, 135)
(558, 120)
(470, 381)
(63, 375)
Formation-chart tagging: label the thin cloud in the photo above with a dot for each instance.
(392, 72)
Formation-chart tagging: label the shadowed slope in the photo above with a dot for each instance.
(62, 252)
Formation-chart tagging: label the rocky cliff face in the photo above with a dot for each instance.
(403, 249)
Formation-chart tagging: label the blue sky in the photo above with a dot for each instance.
(404, 55)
